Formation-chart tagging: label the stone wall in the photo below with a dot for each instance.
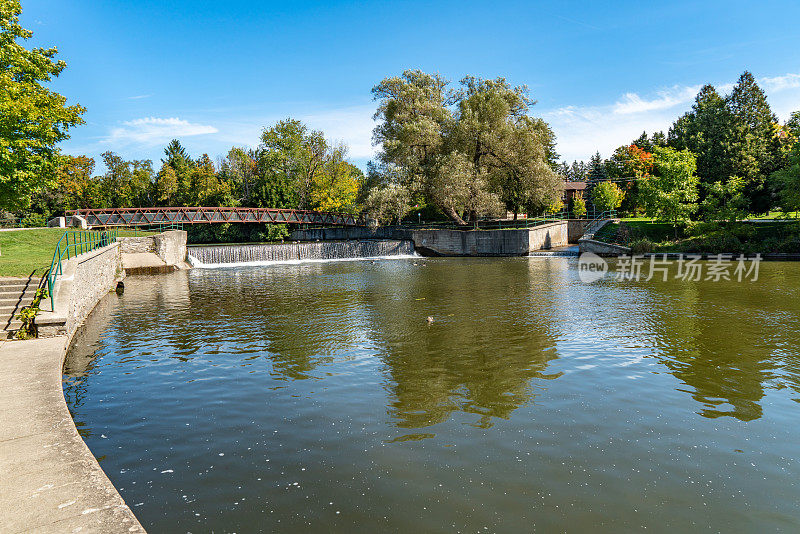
(170, 246)
(85, 279)
(576, 229)
(136, 245)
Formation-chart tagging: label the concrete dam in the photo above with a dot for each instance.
(237, 254)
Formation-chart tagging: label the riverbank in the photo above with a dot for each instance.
(775, 238)
(51, 481)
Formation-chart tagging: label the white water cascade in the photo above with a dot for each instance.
(267, 253)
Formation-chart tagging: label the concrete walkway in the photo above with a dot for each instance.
(49, 480)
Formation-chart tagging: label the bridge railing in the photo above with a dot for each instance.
(205, 215)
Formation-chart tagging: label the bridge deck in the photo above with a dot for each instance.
(200, 215)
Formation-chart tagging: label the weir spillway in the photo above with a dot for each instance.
(261, 253)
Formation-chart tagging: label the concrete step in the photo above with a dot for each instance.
(19, 281)
(8, 310)
(13, 300)
(17, 292)
(12, 326)
(9, 291)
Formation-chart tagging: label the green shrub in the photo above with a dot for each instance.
(697, 228)
(34, 220)
(275, 232)
(721, 242)
(744, 232)
(790, 245)
(772, 244)
(641, 246)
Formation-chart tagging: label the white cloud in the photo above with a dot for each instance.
(665, 99)
(583, 130)
(352, 126)
(781, 83)
(153, 130)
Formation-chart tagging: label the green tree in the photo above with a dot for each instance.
(167, 185)
(336, 187)
(786, 183)
(578, 207)
(206, 187)
(414, 121)
(707, 131)
(126, 183)
(725, 201)
(240, 169)
(33, 119)
(670, 193)
(388, 204)
(507, 148)
(468, 152)
(756, 148)
(295, 155)
(793, 125)
(607, 196)
(596, 171)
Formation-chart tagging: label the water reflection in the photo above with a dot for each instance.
(221, 399)
(727, 342)
(481, 352)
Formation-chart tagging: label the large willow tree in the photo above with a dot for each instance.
(33, 119)
(471, 152)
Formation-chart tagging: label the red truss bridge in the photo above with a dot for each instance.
(148, 216)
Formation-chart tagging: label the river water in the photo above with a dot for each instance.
(317, 397)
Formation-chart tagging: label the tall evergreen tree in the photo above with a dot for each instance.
(706, 131)
(596, 171)
(756, 148)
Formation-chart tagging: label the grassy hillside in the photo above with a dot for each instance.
(23, 252)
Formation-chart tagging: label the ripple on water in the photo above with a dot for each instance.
(318, 396)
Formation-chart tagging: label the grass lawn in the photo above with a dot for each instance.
(776, 215)
(26, 252)
(23, 252)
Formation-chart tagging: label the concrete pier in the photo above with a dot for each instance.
(49, 480)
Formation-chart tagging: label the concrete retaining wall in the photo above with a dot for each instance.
(446, 242)
(516, 242)
(602, 249)
(83, 282)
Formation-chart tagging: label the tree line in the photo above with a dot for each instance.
(456, 151)
(292, 167)
(726, 158)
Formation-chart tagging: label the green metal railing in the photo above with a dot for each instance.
(74, 243)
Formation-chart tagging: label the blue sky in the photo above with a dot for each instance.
(213, 74)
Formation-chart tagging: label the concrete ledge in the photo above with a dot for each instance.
(602, 249)
(50, 480)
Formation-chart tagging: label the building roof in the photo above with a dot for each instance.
(578, 186)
